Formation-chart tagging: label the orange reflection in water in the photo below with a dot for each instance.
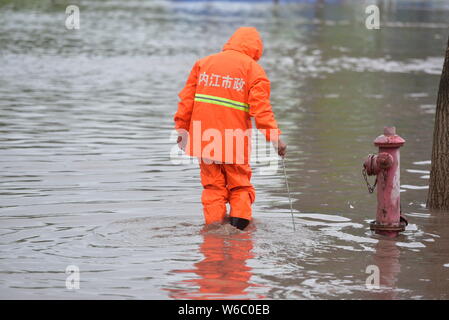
(223, 273)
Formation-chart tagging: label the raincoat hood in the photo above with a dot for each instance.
(246, 40)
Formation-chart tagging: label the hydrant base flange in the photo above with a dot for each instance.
(375, 226)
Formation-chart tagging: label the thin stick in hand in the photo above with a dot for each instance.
(288, 191)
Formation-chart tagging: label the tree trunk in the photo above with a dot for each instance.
(438, 197)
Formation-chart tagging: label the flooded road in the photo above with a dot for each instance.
(86, 177)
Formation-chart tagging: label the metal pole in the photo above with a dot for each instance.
(288, 191)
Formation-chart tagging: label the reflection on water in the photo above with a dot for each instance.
(85, 171)
(387, 259)
(223, 273)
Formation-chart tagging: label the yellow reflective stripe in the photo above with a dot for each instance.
(222, 101)
(221, 104)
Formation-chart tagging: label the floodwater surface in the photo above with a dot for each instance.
(88, 177)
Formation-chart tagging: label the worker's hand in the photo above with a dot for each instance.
(281, 147)
(182, 141)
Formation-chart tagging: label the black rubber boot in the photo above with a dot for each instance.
(239, 223)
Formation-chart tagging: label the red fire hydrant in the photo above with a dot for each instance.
(385, 165)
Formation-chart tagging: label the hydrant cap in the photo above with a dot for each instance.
(389, 139)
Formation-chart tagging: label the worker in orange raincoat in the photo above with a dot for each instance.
(222, 93)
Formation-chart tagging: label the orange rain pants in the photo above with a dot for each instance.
(226, 183)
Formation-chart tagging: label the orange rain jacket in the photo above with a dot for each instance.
(222, 93)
